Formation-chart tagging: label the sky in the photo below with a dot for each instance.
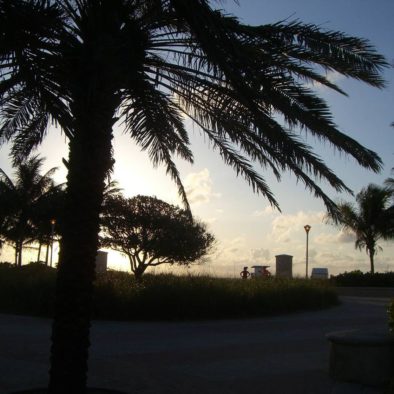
(248, 231)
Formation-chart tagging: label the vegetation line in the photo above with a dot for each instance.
(118, 296)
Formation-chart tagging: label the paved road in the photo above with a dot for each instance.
(284, 354)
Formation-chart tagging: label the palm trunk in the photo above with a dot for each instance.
(89, 163)
(20, 247)
(371, 259)
(47, 255)
(39, 252)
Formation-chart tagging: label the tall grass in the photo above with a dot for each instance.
(118, 296)
(170, 297)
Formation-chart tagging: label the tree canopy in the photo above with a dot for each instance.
(157, 62)
(151, 232)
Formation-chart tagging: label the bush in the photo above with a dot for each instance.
(117, 296)
(391, 316)
(360, 279)
(29, 289)
(170, 297)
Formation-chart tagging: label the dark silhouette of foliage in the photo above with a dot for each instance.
(151, 232)
(118, 296)
(370, 220)
(361, 279)
(84, 64)
(27, 205)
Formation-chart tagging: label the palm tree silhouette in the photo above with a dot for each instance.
(48, 219)
(85, 64)
(370, 220)
(20, 199)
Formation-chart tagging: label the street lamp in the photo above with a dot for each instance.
(307, 229)
(53, 222)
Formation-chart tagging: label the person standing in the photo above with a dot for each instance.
(244, 273)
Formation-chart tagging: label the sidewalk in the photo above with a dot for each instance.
(277, 355)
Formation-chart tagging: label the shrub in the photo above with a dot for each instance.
(170, 297)
(391, 316)
(29, 289)
(358, 278)
(117, 296)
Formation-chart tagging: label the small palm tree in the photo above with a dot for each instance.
(370, 220)
(21, 199)
(47, 219)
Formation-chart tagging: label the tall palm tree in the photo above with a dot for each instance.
(84, 64)
(20, 199)
(370, 220)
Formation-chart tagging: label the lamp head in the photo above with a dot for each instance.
(307, 228)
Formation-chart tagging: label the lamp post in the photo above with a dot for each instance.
(53, 222)
(307, 229)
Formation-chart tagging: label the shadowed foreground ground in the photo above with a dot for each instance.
(284, 354)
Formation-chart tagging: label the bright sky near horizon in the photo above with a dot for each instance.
(248, 231)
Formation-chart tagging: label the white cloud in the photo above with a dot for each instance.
(346, 236)
(210, 220)
(332, 76)
(198, 187)
(268, 210)
(339, 237)
(326, 239)
(260, 255)
(285, 227)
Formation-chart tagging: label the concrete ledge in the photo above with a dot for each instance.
(364, 357)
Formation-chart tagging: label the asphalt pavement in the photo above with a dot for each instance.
(275, 355)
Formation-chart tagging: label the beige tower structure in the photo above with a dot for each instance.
(284, 266)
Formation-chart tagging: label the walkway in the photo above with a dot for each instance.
(278, 355)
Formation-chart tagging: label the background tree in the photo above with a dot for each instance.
(47, 220)
(83, 64)
(370, 220)
(151, 232)
(21, 200)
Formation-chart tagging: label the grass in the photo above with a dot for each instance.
(30, 290)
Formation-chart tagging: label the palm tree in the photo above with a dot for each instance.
(20, 199)
(47, 219)
(371, 220)
(84, 64)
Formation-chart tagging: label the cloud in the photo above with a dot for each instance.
(340, 237)
(198, 187)
(231, 251)
(210, 220)
(325, 239)
(345, 237)
(268, 210)
(260, 255)
(286, 227)
(332, 76)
